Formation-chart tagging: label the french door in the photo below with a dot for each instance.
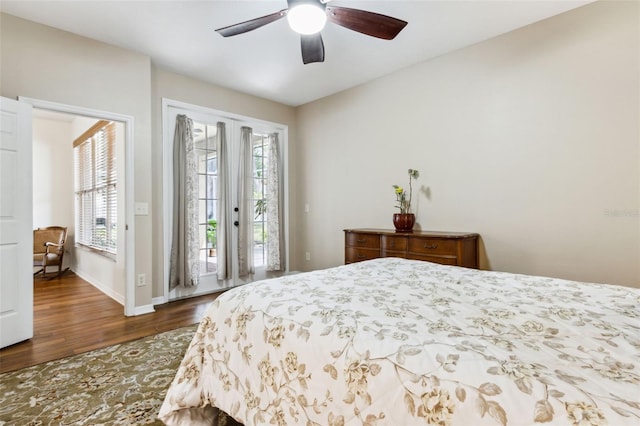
(217, 171)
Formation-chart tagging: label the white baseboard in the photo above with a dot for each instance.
(159, 300)
(138, 310)
(104, 289)
(180, 293)
(145, 309)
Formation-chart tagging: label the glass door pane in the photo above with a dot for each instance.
(260, 150)
(205, 141)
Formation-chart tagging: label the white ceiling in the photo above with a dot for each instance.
(179, 36)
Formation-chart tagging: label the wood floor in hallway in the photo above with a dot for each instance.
(71, 316)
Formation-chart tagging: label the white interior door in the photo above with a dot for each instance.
(16, 217)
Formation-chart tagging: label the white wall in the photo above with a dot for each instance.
(53, 179)
(41, 62)
(45, 63)
(530, 139)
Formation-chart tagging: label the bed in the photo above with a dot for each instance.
(401, 342)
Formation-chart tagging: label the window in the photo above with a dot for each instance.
(96, 187)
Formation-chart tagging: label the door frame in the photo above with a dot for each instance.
(129, 245)
(167, 164)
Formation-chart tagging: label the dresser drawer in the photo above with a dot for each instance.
(357, 254)
(371, 241)
(433, 246)
(394, 243)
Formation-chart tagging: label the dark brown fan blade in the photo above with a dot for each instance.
(251, 25)
(312, 48)
(369, 23)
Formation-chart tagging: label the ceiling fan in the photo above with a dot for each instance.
(308, 17)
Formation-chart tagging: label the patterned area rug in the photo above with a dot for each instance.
(123, 384)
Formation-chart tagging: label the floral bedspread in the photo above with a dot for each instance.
(401, 342)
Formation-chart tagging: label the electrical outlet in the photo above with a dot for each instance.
(307, 256)
(141, 280)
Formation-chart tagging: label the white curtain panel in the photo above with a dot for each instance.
(275, 207)
(224, 205)
(184, 268)
(245, 204)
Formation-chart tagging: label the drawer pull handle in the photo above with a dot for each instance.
(361, 256)
(361, 240)
(430, 246)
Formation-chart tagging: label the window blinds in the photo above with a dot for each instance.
(96, 187)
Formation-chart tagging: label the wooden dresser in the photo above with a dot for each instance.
(447, 248)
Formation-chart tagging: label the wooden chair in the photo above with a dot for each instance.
(48, 248)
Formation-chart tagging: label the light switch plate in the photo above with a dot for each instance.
(142, 209)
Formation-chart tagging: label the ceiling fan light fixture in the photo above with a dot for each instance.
(306, 18)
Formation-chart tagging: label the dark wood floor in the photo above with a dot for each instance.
(71, 316)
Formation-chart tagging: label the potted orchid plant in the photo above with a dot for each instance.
(405, 220)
